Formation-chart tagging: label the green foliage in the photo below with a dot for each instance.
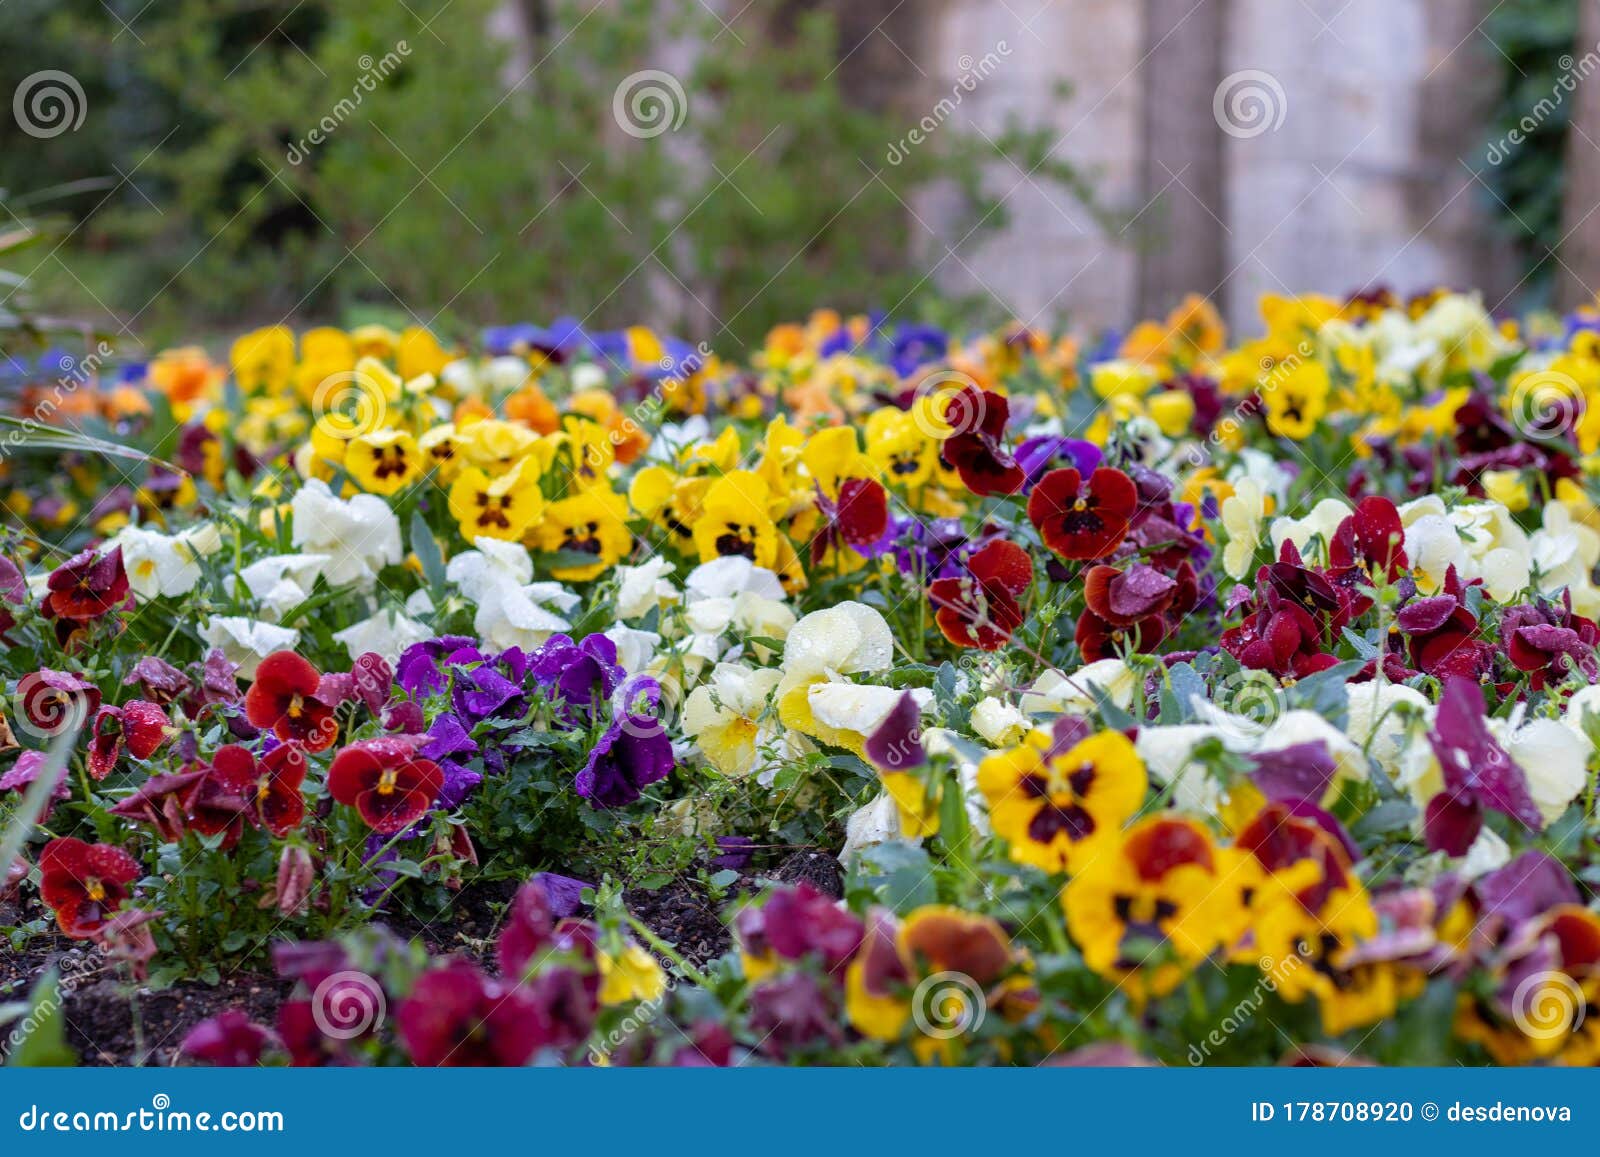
(1533, 38)
(446, 172)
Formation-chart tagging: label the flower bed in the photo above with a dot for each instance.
(887, 697)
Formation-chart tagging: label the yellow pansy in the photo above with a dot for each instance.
(501, 507)
(592, 522)
(419, 352)
(734, 520)
(1296, 400)
(902, 447)
(630, 975)
(383, 461)
(374, 341)
(494, 444)
(263, 359)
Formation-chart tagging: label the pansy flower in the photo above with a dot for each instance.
(86, 586)
(1478, 774)
(591, 523)
(1082, 518)
(1051, 798)
(504, 506)
(283, 699)
(53, 701)
(1146, 909)
(383, 461)
(84, 884)
(1124, 609)
(1441, 633)
(22, 774)
(976, 447)
(634, 752)
(981, 608)
(269, 787)
(385, 781)
(137, 726)
(1550, 644)
(735, 519)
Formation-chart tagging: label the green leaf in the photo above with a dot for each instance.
(43, 1042)
(426, 548)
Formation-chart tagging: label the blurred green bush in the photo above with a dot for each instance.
(456, 183)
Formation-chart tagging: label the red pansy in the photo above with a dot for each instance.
(384, 781)
(981, 608)
(1081, 519)
(139, 726)
(977, 449)
(84, 883)
(269, 787)
(284, 699)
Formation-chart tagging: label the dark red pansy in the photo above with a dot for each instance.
(164, 802)
(1099, 639)
(1549, 642)
(284, 698)
(86, 586)
(982, 608)
(384, 781)
(1081, 519)
(1478, 773)
(1372, 538)
(457, 1016)
(863, 513)
(229, 1040)
(1125, 597)
(222, 804)
(139, 727)
(84, 883)
(55, 701)
(268, 789)
(27, 768)
(1161, 845)
(1441, 634)
(977, 450)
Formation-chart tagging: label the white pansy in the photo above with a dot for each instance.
(1488, 853)
(1322, 522)
(998, 723)
(246, 642)
(635, 648)
(385, 633)
(1168, 754)
(360, 535)
(165, 564)
(1378, 717)
(858, 707)
(847, 639)
(731, 575)
(1555, 760)
(419, 603)
(511, 611)
(723, 716)
(1242, 513)
(281, 582)
(1076, 692)
(1433, 546)
(476, 572)
(876, 823)
(644, 588)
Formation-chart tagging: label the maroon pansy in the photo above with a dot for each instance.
(977, 449)
(27, 768)
(86, 586)
(1478, 773)
(457, 1016)
(228, 1040)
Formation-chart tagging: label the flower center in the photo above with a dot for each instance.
(95, 890)
(386, 781)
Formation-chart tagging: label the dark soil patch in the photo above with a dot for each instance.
(99, 1014)
(683, 915)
